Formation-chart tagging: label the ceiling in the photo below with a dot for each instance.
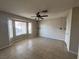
(28, 8)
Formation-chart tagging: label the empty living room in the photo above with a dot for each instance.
(39, 29)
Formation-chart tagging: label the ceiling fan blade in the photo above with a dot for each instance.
(38, 15)
(44, 11)
(41, 18)
(44, 16)
(33, 16)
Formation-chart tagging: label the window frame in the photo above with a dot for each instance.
(15, 27)
(10, 31)
(28, 28)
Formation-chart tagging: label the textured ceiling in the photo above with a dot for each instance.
(28, 8)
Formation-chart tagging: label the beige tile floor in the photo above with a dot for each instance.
(37, 48)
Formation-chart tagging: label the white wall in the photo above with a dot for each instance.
(72, 30)
(51, 28)
(4, 39)
(68, 29)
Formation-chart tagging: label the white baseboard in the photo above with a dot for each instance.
(73, 52)
(10, 44)
(4, 47)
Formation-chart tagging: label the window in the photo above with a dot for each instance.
(10, 29)
(29, 28)
(20, 28)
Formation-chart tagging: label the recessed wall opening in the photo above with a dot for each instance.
(19, 28)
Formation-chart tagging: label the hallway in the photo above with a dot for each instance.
(37, 48)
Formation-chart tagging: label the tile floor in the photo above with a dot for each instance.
(37, 48)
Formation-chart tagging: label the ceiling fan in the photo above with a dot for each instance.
(38, 15)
